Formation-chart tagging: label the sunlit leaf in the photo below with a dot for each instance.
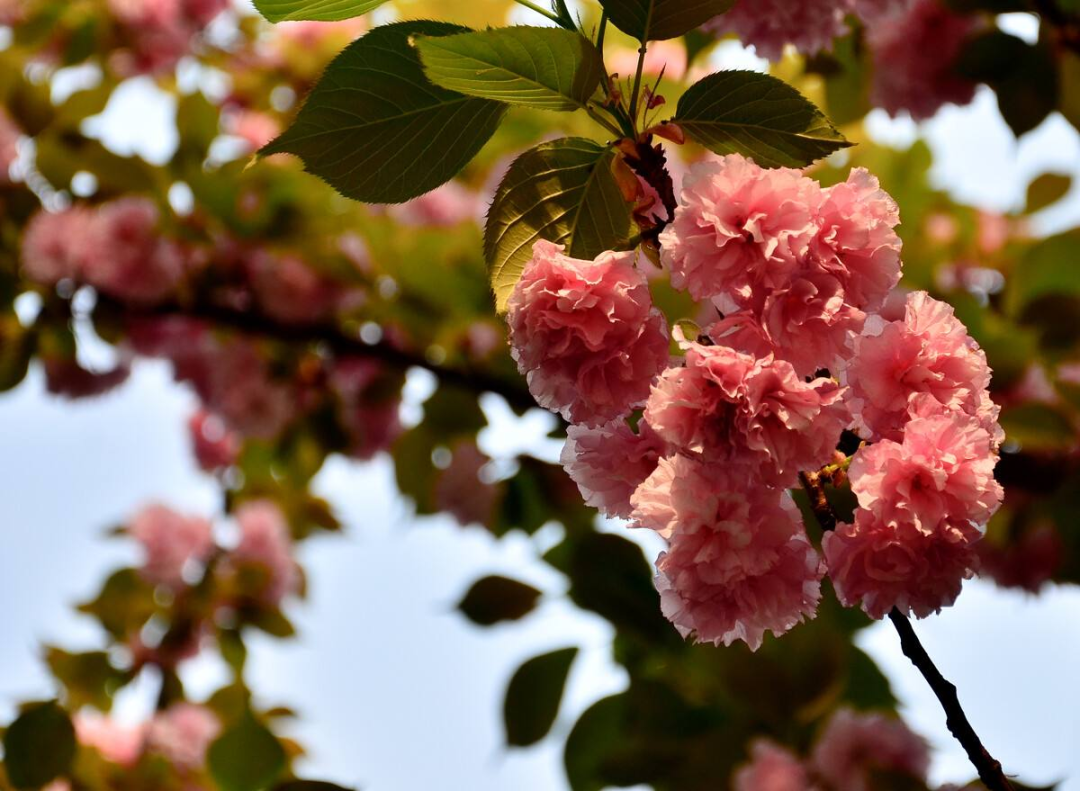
(377, 131)
(744, 112)
(315, 10)
(534, 695)
(562, 191)
(547, 68)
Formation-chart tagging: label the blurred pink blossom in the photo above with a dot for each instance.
(854, 746)
(265, 543)
(170, 542)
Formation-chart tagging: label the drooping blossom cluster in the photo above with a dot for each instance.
(851, 749)
(810, 26)
(159, 32)
(798, 354)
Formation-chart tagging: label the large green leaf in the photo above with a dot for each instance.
(544, 67)
(534, 695)
(376, 130)
(654, 20)
(315, 10)
(744, 112)
(247, 757)
(39, 746)
(562, 191)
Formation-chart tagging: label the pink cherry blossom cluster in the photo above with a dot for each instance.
(914, 44)
(179, 549)
(810, 26)
(181, 735)
(849, 752)
(727, 424)
(116, 247)
(159, 32)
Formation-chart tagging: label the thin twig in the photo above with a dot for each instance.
(989, 769)
(539, 10)
(637, 82)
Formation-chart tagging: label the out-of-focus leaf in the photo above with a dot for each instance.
(655, 20)
(595, 732)
(759, 116)
(315, 10)
(534, 696)
(495, 599)
(1047, 268)
(610, 576)
(562, 191)
(1024, 76)
(125, 603)
(377, 130)
(247, 757)
(847, 85)
(17, 345)
(39, 746)
(542, 67)
(1047, 190)
(1037, 427)
(413, 467)
(89, 679)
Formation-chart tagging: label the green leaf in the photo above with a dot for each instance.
(534, 695)
(377, 131)
(315, 10)
(543, 67)
(494, 599)
(743, 112)
(1037, 427)
(247, 757)
(562, 191)
(17, 345)
(90, 679)
(1047, 190)
(598, 731)
(39, 746)
(655, 20)
(125, 603)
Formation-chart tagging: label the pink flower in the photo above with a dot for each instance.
(265, 543)
(65, 377)
(585, 334)
(214, 444)
(253, 127)
(739, 227)
(914, 55)
(610, 462)
(289, 290)
(171, 542)
(810, 324)
(233, 379)
(854, 746)
(943, 470)
(54, 246)
(446, 206)
(857, 243)
(738, 563)
(115, 743)
(128, 259)
(810, 25)
(898, 564)
(368, 405)
(461, 491)
(925, 364)
(182, 734)
(771, 768)
(732, 408)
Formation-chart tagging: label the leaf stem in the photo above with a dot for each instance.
(542, 11)
(595, 115)
(989, 768)
(637, 82)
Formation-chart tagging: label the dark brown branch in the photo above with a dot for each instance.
(989, 769)
(328, 334)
